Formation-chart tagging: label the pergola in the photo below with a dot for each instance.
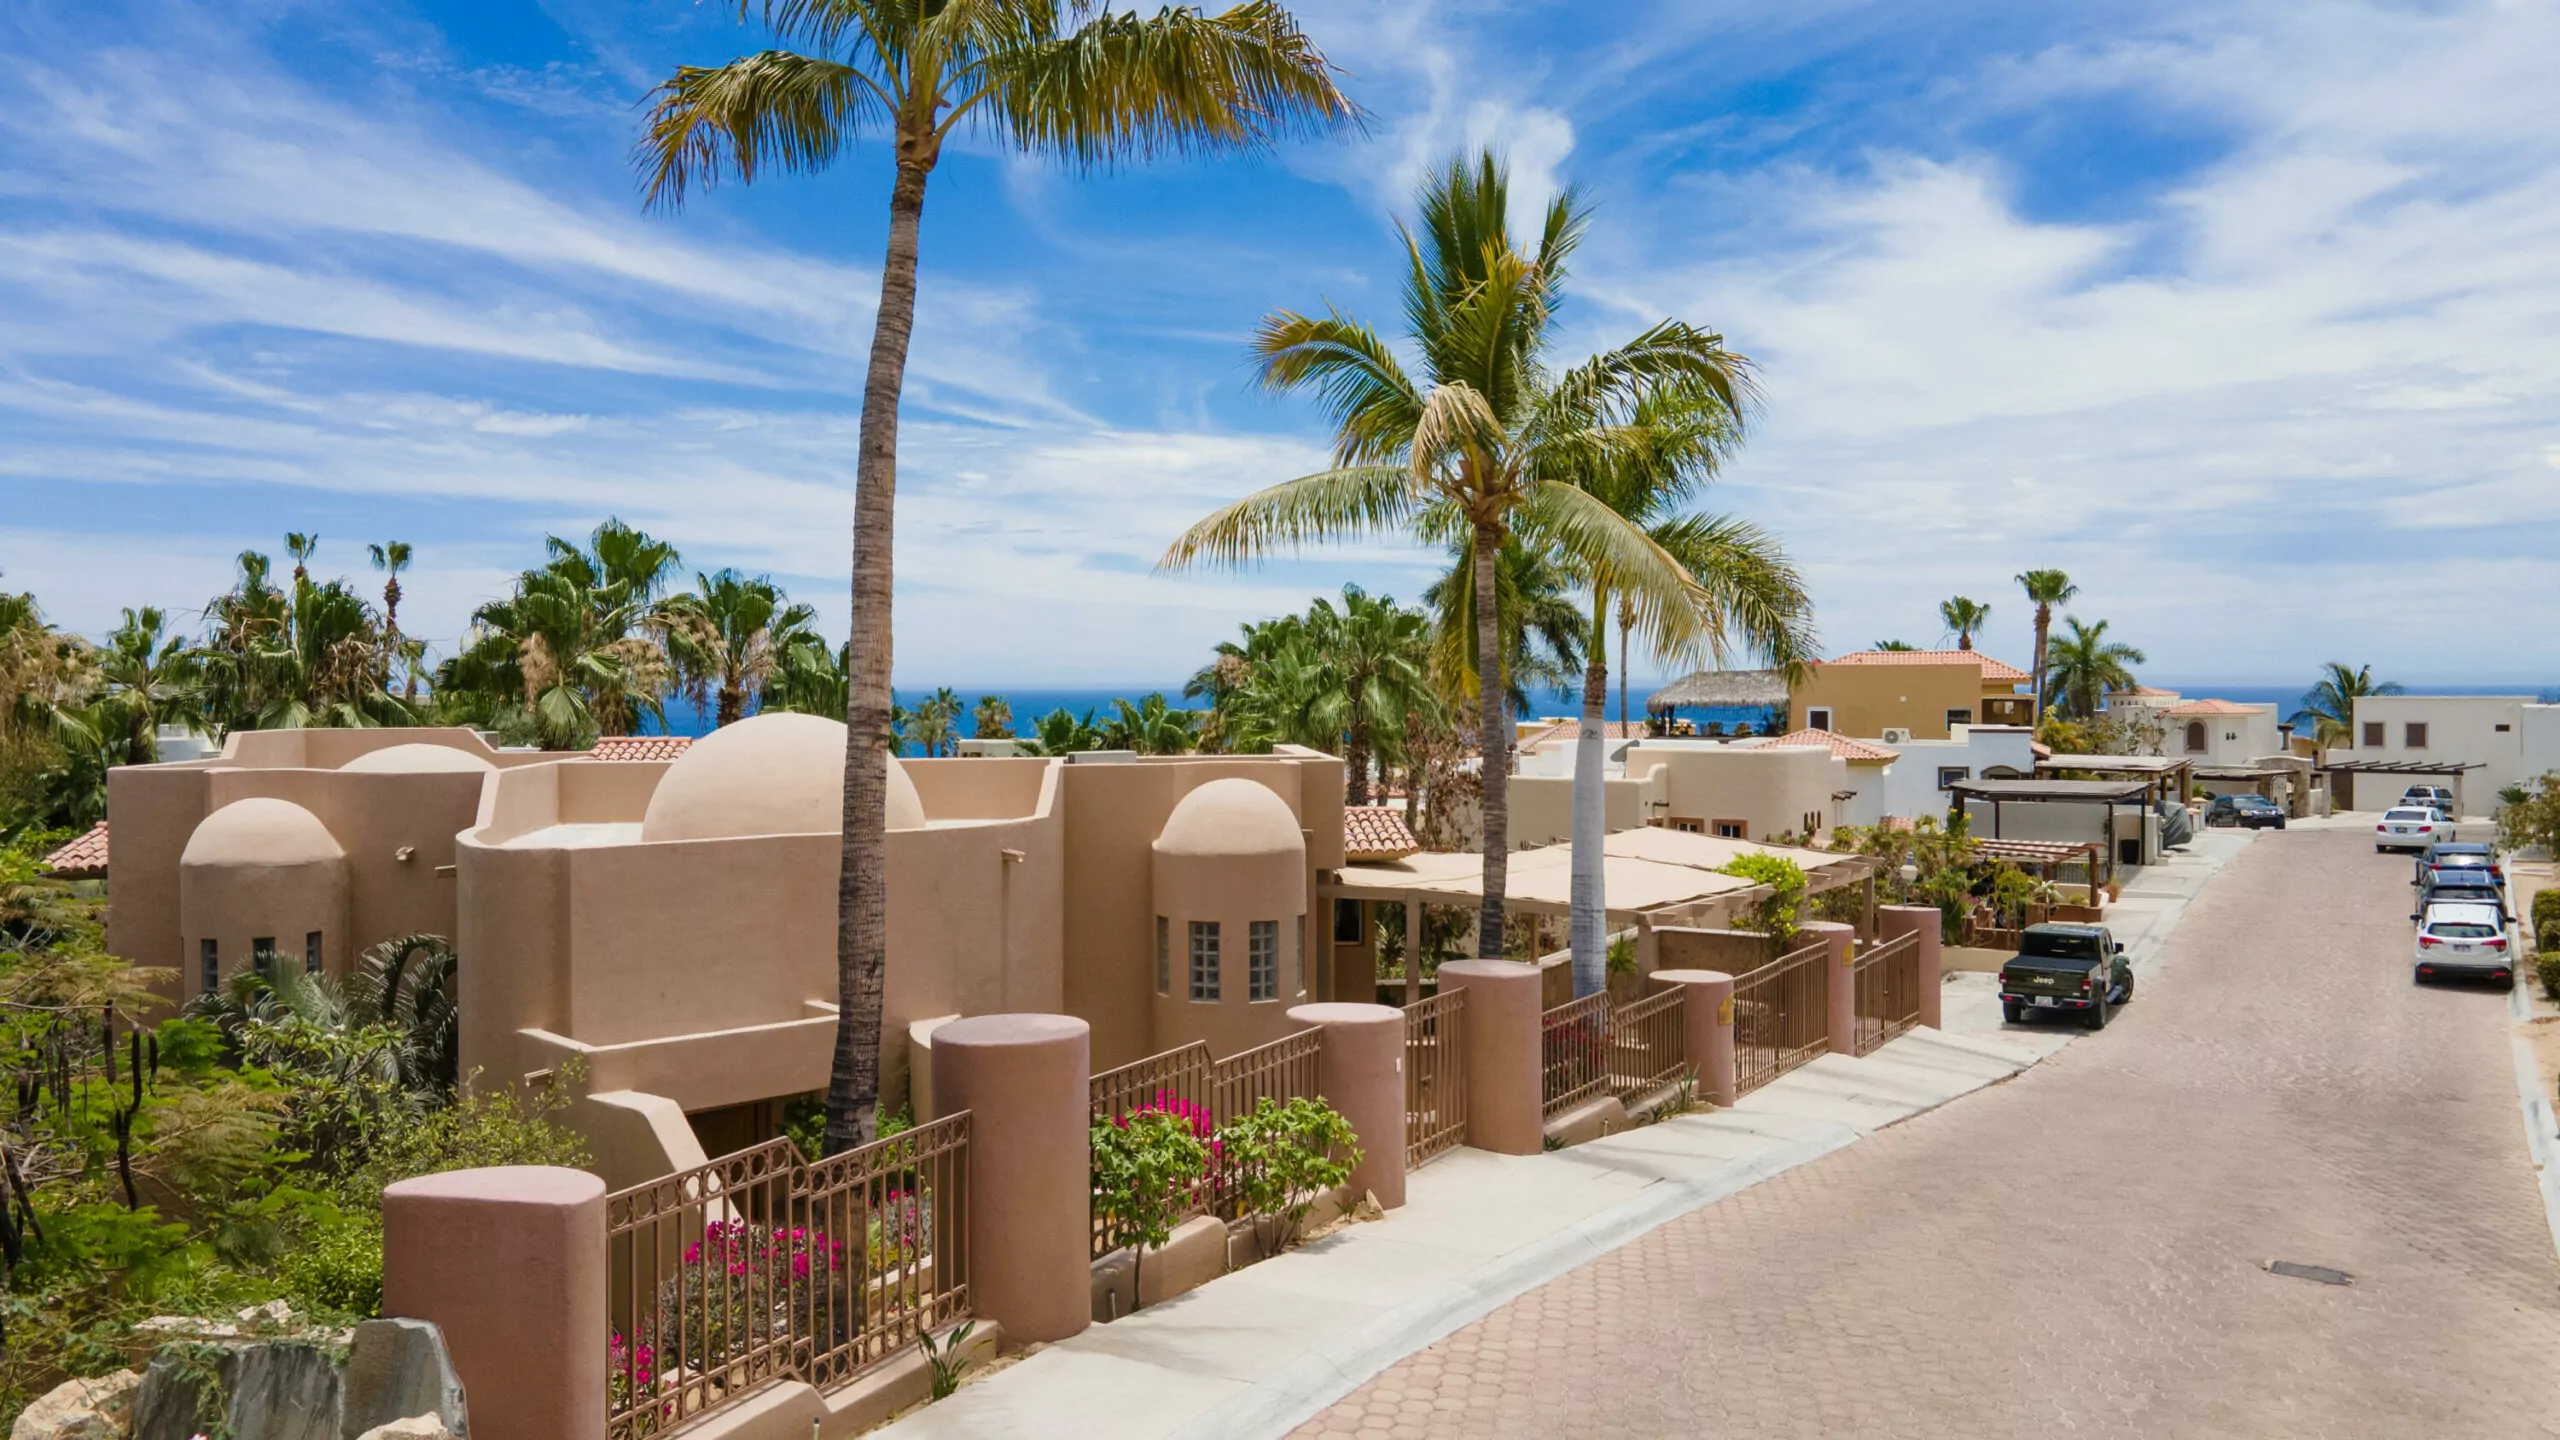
(2165, 772)
(1652, 877)
(2402, 769)
(2109, 793)
(2046, 856)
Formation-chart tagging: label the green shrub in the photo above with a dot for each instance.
(1777, 915)
(1285, 1156)
(1146, 1168)
(2546, 911)
(336, 1269)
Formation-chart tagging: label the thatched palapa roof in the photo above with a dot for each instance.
(1721, 687)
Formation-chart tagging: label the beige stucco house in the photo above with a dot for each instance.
(1910, 694)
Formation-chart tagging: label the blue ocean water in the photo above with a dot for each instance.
(1028, 704)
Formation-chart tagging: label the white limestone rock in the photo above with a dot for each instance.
(94, 1409)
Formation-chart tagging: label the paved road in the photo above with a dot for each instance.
(2079, 1251)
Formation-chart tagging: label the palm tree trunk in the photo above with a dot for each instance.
(2044, 628)
(1626, 622)
(1355, 764)
(862, 888)
(1589, 937)
(1493, 745)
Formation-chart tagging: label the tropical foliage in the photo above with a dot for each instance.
(2045, 590)
(2331, 704)
(2082, 667)
(1963, 617)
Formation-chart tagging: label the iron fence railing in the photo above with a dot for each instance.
(1573, 1053)
(1435, 1076)
(1649, 1043)
(1208, 1093)
(1781, 1016)
(1888, 991)
(761, 1266)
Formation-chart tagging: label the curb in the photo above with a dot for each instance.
(2541, 1127)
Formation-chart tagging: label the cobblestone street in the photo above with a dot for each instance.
(2080, 1250)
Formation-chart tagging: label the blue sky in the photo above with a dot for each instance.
(2244, 314)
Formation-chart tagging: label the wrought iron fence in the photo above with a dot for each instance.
(762, 1266)
(1648, 1043)
(1209, 1093)
(1888, 990)
(1781, 1016)
(1435, 1075)
(1573, 1053)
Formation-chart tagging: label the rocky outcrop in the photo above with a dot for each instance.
(273, 1389)
(416, 1427)
(80, 1410)
(398, 1370)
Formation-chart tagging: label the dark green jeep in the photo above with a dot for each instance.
(2079, 968)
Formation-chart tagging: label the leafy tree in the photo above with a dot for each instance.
(808, 680)
(1778, 914)
(1964, 617)
(2045, 590)
(726, 639)
(1087, 86)
(1063, 732)
(2084, 666)
(2331, 703)
(1285, 1157)
(576, 652)
(1146, 1169)
(935, 722)
(152, 679)
(283, 659)
(1469, 445)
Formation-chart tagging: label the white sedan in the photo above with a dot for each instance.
(2409, 827)
(2467, 942)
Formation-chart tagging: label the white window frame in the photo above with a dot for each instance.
(1817, 717)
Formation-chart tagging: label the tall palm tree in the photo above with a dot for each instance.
(1081, 84)
(1380, 656)
(153, 679)
(2085, 665)
(311, 656)
(1964, 616)
(808, 680)
(1746, 590)
(2332, 702)
(992, 719)
(935, 722)
(300, 547)
(1537, 621)
(726, 637)
(392, 557)
(576, 652)
(2045, 590)
(1473, 442)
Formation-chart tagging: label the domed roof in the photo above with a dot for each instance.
(261, 832)
(415, 759)
(1231, 817)
(767, 775)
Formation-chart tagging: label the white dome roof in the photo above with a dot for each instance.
(415, 758)
(775, 774)
(1231, 817)
(261, 832)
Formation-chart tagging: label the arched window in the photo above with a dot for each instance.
(2195, 737)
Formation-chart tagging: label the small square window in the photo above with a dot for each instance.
(2414, 735)
(1164, 956)
(1730, 829)
(311, 953)
(2503, 729)
(212, 953)
(2373, 734)
(1950, 774)
(1818, 718)
(1204, 960)
(1959, 717)
(1262, 960)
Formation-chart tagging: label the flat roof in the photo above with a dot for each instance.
(1648, 868)
(2400, 767)
(2072, 790)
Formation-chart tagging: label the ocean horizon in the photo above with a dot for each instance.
(1031, 702)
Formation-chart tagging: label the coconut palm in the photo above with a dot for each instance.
(1473, 442)
(1151, 727)
(992, 719)
(808, 679)
(391, 557)
(2083, 666)
(1380, 657)
(300, 547)
(575, 653)
(1746, 588)
(312, 656)
(1538, 621)
(1081, 84)
(726, 637)
(1964, 617)
(2331, 704)
(152, 679)
(935, 722)
(2045, 590)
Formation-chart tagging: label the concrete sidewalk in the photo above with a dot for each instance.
(1262, 1350)
(1259, 1351)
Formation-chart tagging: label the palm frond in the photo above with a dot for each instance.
(774, 108)
(1354, 374)
(1328, 505)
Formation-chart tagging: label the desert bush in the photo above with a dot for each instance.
(1284, 1157)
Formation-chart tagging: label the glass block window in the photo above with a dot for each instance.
(1204, 959)
(1262, 960)
(1164, 956)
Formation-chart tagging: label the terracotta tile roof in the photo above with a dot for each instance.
(2143, 690)
(86, 854)
(2213, 707)
(640, 747)
(1991, 669)
(1376, 832)
(1844, 746)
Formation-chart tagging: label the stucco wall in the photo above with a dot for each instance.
(1864, 699)
(1770, 790)
(2459, 728)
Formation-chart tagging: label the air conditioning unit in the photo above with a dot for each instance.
(1896, 735)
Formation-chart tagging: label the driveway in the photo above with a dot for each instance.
(2081, 1250)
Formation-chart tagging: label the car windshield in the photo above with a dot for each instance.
(2252, 802)
(2461, 930)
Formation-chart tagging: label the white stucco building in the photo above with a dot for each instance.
(2510, 738)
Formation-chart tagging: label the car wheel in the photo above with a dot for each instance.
(2417, 977)
(2096, 1018)
(2013, 1012)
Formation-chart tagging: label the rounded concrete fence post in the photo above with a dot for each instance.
(1360, 1073)
(1706, 1017)
(1026, 1082)
(1895, 921)
(1505, 1113)
(509, 1263)
(1842, 980)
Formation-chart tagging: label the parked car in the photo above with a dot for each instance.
(2428, 869)
(2437, 795)
(2463, 942)
(2406, 827)
(2468, 887)
(2248, 812)
(2466, 851)
(2078, 968)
